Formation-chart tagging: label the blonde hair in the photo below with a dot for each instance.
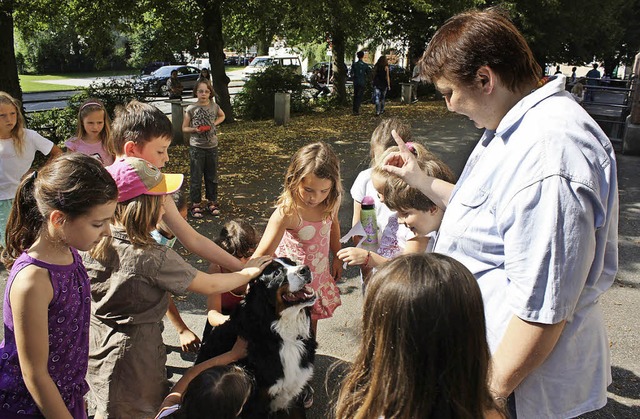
(89, 106)
(17, 133)
(382, 138)
(320, 160)
(398, 195)
(138, 216)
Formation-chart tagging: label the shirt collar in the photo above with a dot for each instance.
(554, 85)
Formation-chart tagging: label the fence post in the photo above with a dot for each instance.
(631, 139)
(282, 105)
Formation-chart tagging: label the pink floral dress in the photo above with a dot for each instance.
(308, 243)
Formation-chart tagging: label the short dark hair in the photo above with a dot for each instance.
(474, 39)
(360, 54)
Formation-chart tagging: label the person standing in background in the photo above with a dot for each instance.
(360, 72)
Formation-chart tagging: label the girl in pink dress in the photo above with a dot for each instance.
(304, 226)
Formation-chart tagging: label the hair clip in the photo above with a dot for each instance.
(34, 175)
(411, 148)
(91, 104)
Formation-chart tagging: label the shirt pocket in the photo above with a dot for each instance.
(465, 209)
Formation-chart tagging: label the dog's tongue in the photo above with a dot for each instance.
(304, 294)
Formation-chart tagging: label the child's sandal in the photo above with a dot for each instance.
(196, 212)
(213, 209)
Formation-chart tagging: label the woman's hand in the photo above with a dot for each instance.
(404, 164)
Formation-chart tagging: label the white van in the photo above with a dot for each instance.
(263, 61)
(201, 63)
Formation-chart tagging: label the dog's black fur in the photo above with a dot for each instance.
(274, 319)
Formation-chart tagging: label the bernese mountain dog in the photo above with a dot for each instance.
(274, 319)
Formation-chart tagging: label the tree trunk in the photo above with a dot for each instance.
(9, 81)
(340, 74)
(212, 23)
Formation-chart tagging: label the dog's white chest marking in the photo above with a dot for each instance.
(293, 326)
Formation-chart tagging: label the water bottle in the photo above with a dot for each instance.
(370, 224)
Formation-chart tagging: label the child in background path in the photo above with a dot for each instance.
(65, 207)
(424, 351)
(240, 239)
(412, 209)
(189, 341)
(141, 130)
(18, 147)
(130, 277)
(200, 122)
(222, 389)
(94, 128)
(393, 237)
(305, 228)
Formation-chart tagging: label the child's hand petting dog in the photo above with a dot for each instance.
(254, 267)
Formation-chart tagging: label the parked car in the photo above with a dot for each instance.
(201, 63)
(259, 63)
(156, 82)
(232, 60)
(153, 66)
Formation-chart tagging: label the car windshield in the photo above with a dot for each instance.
(261, 62)
(163, 72)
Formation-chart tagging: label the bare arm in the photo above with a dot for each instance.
(357, 206)
(388, 77)
(405, 165)
(214, 303)
(416, 245)
(276, 226)
(196, 242)
(524, 346)
(204, 283)
(335, 246)
(220, 118)
(186, 124)
(30, 296)
(358, 256)
(238, 351)
(189, 342)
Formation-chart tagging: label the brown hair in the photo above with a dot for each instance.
(398, 195)
(17, 133)
(71, 183)
(207, 82)
(320, 160)
(87, 107)
(140, 123)
(381, 137)
(238, 238)
(424, 349)
(474, 39)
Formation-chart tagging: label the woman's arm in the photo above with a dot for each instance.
(276, 226)
(335, 246)
(196, 242)
(204, 283)
(524, 346)
(386, 69)
(30, 296)
(189, 342)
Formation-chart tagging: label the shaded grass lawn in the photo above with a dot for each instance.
(32, 83)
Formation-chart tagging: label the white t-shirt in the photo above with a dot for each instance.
(13, 167)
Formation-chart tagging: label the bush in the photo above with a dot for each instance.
(255, 101)
(60, 124)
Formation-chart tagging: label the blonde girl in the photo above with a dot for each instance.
(64, 207)
(18, 147)
(201, 121)
(305, 227)
(424, 351)
(94, 128)
(130, 277)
